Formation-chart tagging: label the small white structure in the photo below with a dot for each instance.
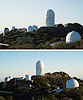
(4, 44)
(30, 29)
(24, 29)
(10, 77)
(72, 83)
(19, 78)
(7, 79)
(27, 77)
(57, 90)
(50, 18)
(35, 28)
(72, 37)
(52, 44)
(5, 31)
(13, 28)
(40, 68)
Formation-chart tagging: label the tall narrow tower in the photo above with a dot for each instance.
(40, 68)
(50, 18)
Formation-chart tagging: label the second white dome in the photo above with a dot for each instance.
(73, 37)
(30, 29)
(72, 83)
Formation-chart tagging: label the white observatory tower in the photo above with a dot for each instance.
(50, 18)
(40, 68)
(27, 77)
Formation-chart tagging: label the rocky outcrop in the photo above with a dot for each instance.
(58, 78)
(62, 30)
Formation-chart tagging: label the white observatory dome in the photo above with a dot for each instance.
(35, 27)
(40, 68)
(50, 18)
(5, 31)
(30, 29)
(72, 83)
(10, 77)
(7, 79)
(73, 37)
(13, 28)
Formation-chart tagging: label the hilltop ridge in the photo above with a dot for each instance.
(38, 88)
(43, 38)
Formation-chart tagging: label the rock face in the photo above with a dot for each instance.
(62, 30)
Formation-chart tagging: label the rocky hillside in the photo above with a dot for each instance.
(58, 78)
(61, 30)
(39, 87)
(43, 38)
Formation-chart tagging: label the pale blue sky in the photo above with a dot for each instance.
(19, 63)
(22, 13)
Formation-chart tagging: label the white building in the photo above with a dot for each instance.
(30, 29)
(5, 31)
(72, 83)
(27, 77)
(10, 77)
(50, 18)
(35, 28)
(40, 68)
(19, 78)
(13, 28)
(24, 29)
(7, 79)
(72, 37)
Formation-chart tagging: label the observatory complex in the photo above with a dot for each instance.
(50, 26)
(40, 68)
(40, 71)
